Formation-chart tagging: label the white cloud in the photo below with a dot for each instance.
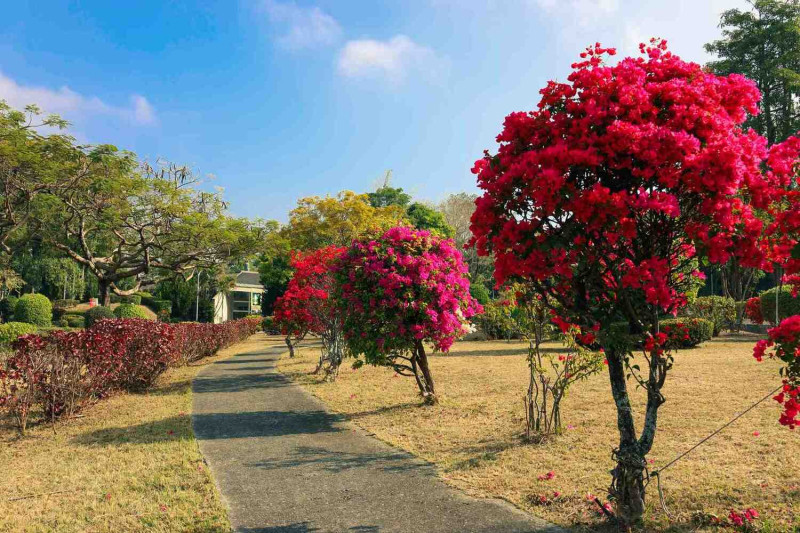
(394, 59)
(64, 101)
(303, 27)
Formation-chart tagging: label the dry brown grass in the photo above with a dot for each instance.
(131, 463)
(473, 435)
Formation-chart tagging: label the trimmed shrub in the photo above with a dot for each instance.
(133, 299)
(34, 309)
(11, 330)
(65, 370)
(75, 321)
(719, 310)
(268, 326)
(130, 311)
(98, 313)
(787, 305)
(480, 293)
(7, 308)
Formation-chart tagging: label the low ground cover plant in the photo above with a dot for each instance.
(10, 331)
(58, 374)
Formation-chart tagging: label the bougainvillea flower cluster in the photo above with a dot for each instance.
(785, 341)
(403, 287)
(306, 306)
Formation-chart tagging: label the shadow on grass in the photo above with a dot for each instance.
(340, 461)
(304, 527)
(520, 350)
(165, 430)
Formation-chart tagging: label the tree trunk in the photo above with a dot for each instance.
(290, 345)
(104, 296)
(627, 485)
(423, 374)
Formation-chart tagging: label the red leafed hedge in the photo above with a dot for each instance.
(59, 373)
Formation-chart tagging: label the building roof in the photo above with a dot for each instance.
(247, 277)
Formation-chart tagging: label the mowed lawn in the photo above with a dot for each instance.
(129, 463)
(474, 434)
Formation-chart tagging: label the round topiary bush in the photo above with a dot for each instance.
(130, 311)
(74, 321)
(98, 313)
(34, 309)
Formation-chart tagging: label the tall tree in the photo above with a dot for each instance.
(125, 221)
(457, 210)
(425, 217)
(763, 44)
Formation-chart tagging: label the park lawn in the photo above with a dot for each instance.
(474, 435)
(129, 463)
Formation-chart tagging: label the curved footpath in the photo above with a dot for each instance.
(283, 463)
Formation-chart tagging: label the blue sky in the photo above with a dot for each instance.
(281, 99)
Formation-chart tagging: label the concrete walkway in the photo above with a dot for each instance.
(285, 464)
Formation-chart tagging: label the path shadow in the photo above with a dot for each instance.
(336, 461)
(239, 382)
(304, 527)
(264, 424)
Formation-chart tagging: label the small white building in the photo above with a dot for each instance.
(244, 299)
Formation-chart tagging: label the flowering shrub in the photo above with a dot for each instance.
(752, 310)
(785, 339)
(400, 290)
(306, 306)
(607, 196)
(63, 371)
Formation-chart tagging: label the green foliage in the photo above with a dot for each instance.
(698, 331)
(387, 196)
(721, 311)
(763, 43)
(133, 299)
(74, 321)
(268, 326)
(787, 305)
(496, 322)
(34, 309)
(480, 293)
(423, 217)
(11, 330)
(98, 313)
(130, 311)
(7, 307)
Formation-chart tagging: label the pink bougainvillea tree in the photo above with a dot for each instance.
(607, 196)
(399, 291)
(306, 306)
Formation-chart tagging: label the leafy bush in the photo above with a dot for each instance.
(34, 309)
(7, 308)
(98, 313)
(133, 299)
(719, 310)
(11, 330)
(195, 340)
(787, 305)
(752, 310)
(75, 321)
(480, 293)
(496, 321)
(268, 326)
(684, 332)
(160, 306)
(130, 311)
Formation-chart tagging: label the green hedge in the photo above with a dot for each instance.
(698, 329)
(133, 299)
(11, 330)
(98, 313)
(34, 309)
(7, 308)
(721, 311)
(787, 307)
(130, 311)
